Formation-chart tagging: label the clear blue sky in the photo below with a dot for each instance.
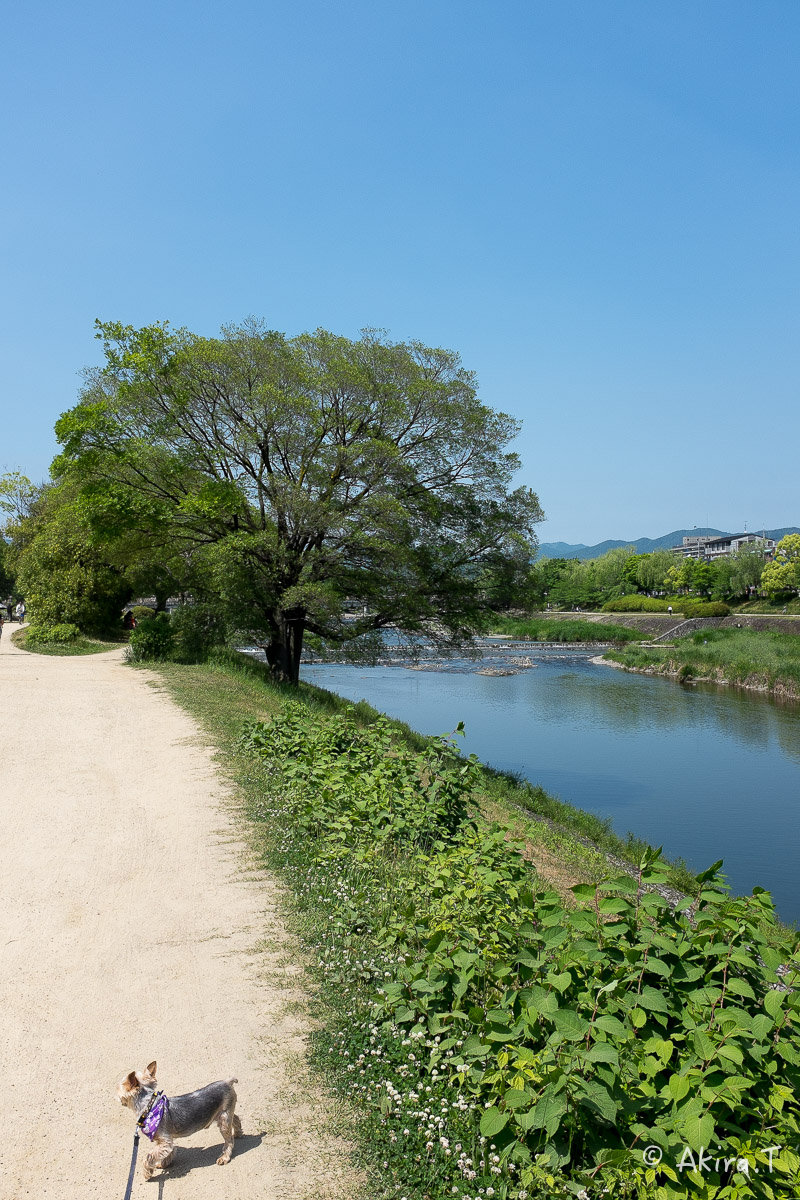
(596, 204)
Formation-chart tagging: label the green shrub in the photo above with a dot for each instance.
(637, 603)
(198, 628)
(705, 608)
(153, 640)
(143, 612)
(568, 629)
(496, 1042)
(50, 635)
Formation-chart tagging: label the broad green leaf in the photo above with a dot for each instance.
(699, 1131)
(651, 998)
(602, 1052)
(773, 1002)
(740, 987)
(545, 1115)
(561, 981)
(570, 1025)
(610, 1025)
(493, 1121)
(540, 1001)
(600, 1098)
(678, 1086)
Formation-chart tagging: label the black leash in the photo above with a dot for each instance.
(155, 1096)
(129, 1188)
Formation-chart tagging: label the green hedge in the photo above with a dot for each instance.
(637, 603)
(566, 629)
(52, 635)
(143, 612)
(705, 608)
(495, 1042)
(153, 640)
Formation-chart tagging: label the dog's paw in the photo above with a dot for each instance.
(223, 1160)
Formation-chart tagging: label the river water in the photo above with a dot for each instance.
(709, 772)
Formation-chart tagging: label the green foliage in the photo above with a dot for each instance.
(17, 496)
(740, 656)
(153, 640)
(379, 792)
(198, 629)
(705, 608)
(6, 574)
(782, 575)
(548, 629)
(63, 575)
(296, 480)
(492, 1038)
(620, 573)
(143, 612)
(48, 635)
(637, 603)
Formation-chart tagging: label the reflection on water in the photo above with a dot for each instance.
(709, 772)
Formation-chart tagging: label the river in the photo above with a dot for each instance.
(708, 772)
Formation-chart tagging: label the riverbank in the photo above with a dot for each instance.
(544, 628)
(566, 844)
(754, 660)
(473, 1024)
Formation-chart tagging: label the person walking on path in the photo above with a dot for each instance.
(21, 612)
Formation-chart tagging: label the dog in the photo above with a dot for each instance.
(164, 1120)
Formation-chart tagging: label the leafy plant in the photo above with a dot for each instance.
(637, 603)
(143, 612)
(705, 608)
(153, 640)
(48, 635)
(198, 628)
(499, 1043)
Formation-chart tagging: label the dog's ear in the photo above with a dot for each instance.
(150, 1070)
(131, 1082)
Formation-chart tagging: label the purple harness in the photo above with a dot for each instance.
(155, 1114)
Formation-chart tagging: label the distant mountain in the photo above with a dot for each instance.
(644, 545)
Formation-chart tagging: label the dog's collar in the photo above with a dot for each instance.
(153, 1115)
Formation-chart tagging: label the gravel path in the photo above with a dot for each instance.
(130, 930)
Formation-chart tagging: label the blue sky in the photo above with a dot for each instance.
(596, 204)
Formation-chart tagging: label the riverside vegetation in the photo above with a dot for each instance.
(546, 629)
(490, 1037)
(744, 657)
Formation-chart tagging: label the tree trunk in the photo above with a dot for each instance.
(285, 647)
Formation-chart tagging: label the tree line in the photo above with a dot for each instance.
(590, 583)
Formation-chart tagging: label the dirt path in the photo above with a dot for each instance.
(128, 928)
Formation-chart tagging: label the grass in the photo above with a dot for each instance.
(749, 658)
(773, 608)
(81, 645)
(547, 629)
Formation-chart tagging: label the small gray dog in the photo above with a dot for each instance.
(164, 1120)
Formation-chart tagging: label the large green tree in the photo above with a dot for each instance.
(783, 573)
(309, 484)
(61, 569)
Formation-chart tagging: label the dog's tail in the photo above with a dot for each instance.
(231, 1080)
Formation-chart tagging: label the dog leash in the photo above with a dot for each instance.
(129, 1188)
(139, 1125)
